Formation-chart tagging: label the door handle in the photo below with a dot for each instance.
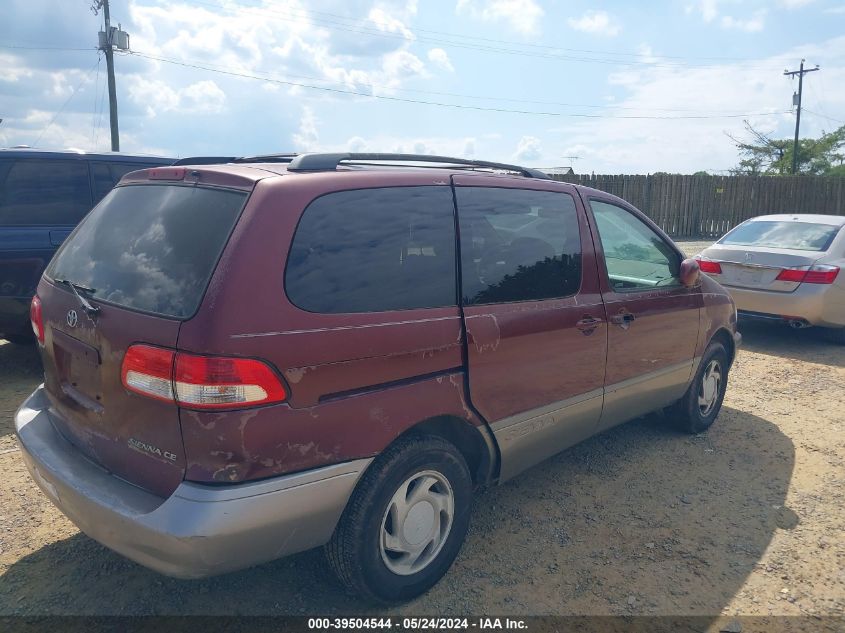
(623, 319)
(588, 324)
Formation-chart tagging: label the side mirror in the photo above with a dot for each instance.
(690, 273)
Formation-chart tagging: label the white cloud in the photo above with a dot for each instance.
(8, 70)
(307, 138)
(388, 23)
(156, 96)
(794, 4)
(754, 24)
(521, 15)
(528, 148)
(203, 97)
(356, 144)
(709, 9)
(440, 58)
(595, 22)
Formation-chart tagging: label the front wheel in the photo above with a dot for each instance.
(405, 522)
(697, 410)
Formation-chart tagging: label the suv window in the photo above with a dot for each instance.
(518, 245)
(43, 192)
(635, 255)
(107, 175)
(150, 247)
(372, 250)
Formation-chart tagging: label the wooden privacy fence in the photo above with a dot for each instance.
(709, 206)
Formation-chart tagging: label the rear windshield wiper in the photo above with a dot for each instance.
(90, 310)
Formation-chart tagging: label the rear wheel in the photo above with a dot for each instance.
(697, 410)
(406, 521)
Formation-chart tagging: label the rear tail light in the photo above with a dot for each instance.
(36, 317)
(708, 266)
(200, 382)
(213, 382)
(819, 274)
(148, 370)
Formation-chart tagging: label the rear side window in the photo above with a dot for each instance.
(372, 250)
(107, 175)
(518, 245)
(43, 192)
(801, 236)
(150, 247)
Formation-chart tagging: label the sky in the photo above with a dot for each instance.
(605, 87)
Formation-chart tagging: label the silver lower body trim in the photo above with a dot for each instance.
(199, 530)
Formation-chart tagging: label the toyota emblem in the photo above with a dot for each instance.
(72, 318)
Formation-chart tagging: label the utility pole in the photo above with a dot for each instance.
(109, 38)
(801, 72)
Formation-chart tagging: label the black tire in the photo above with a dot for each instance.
(688, 414)
(19, 339)
(835, 335)
(355, 551)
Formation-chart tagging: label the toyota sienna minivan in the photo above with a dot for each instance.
(252, 359)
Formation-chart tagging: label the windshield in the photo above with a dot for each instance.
(800, 236)
(150, 247)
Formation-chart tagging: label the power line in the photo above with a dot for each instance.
(47, 48)
(64, 105)
(234, 73)
(289, 77)
(364, 30)
(824, 116)
(210, 68)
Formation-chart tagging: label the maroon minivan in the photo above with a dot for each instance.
(251, 359)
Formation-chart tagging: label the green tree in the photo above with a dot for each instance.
(764, 155)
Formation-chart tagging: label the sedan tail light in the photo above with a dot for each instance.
(709, 266)
(36, 317)
(200, 382)
(818, 274)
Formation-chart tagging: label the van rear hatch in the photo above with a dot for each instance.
(142, 259)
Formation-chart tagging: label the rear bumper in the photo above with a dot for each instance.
(817, 304)
(199, 530)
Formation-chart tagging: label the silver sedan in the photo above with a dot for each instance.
(785, 268)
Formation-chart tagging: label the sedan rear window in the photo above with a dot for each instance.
(150, 247)
(800, 236)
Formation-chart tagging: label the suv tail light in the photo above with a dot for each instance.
(819, 274)
(200, 382)
(708, 266)
(36, 317)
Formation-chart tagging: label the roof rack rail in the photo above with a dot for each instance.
(266, 158)
(204, 160)
(217, 160)
(328, 162)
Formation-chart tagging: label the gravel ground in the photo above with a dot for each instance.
(746, 519)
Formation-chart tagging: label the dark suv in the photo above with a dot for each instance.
(247, 360)
(43, 195)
